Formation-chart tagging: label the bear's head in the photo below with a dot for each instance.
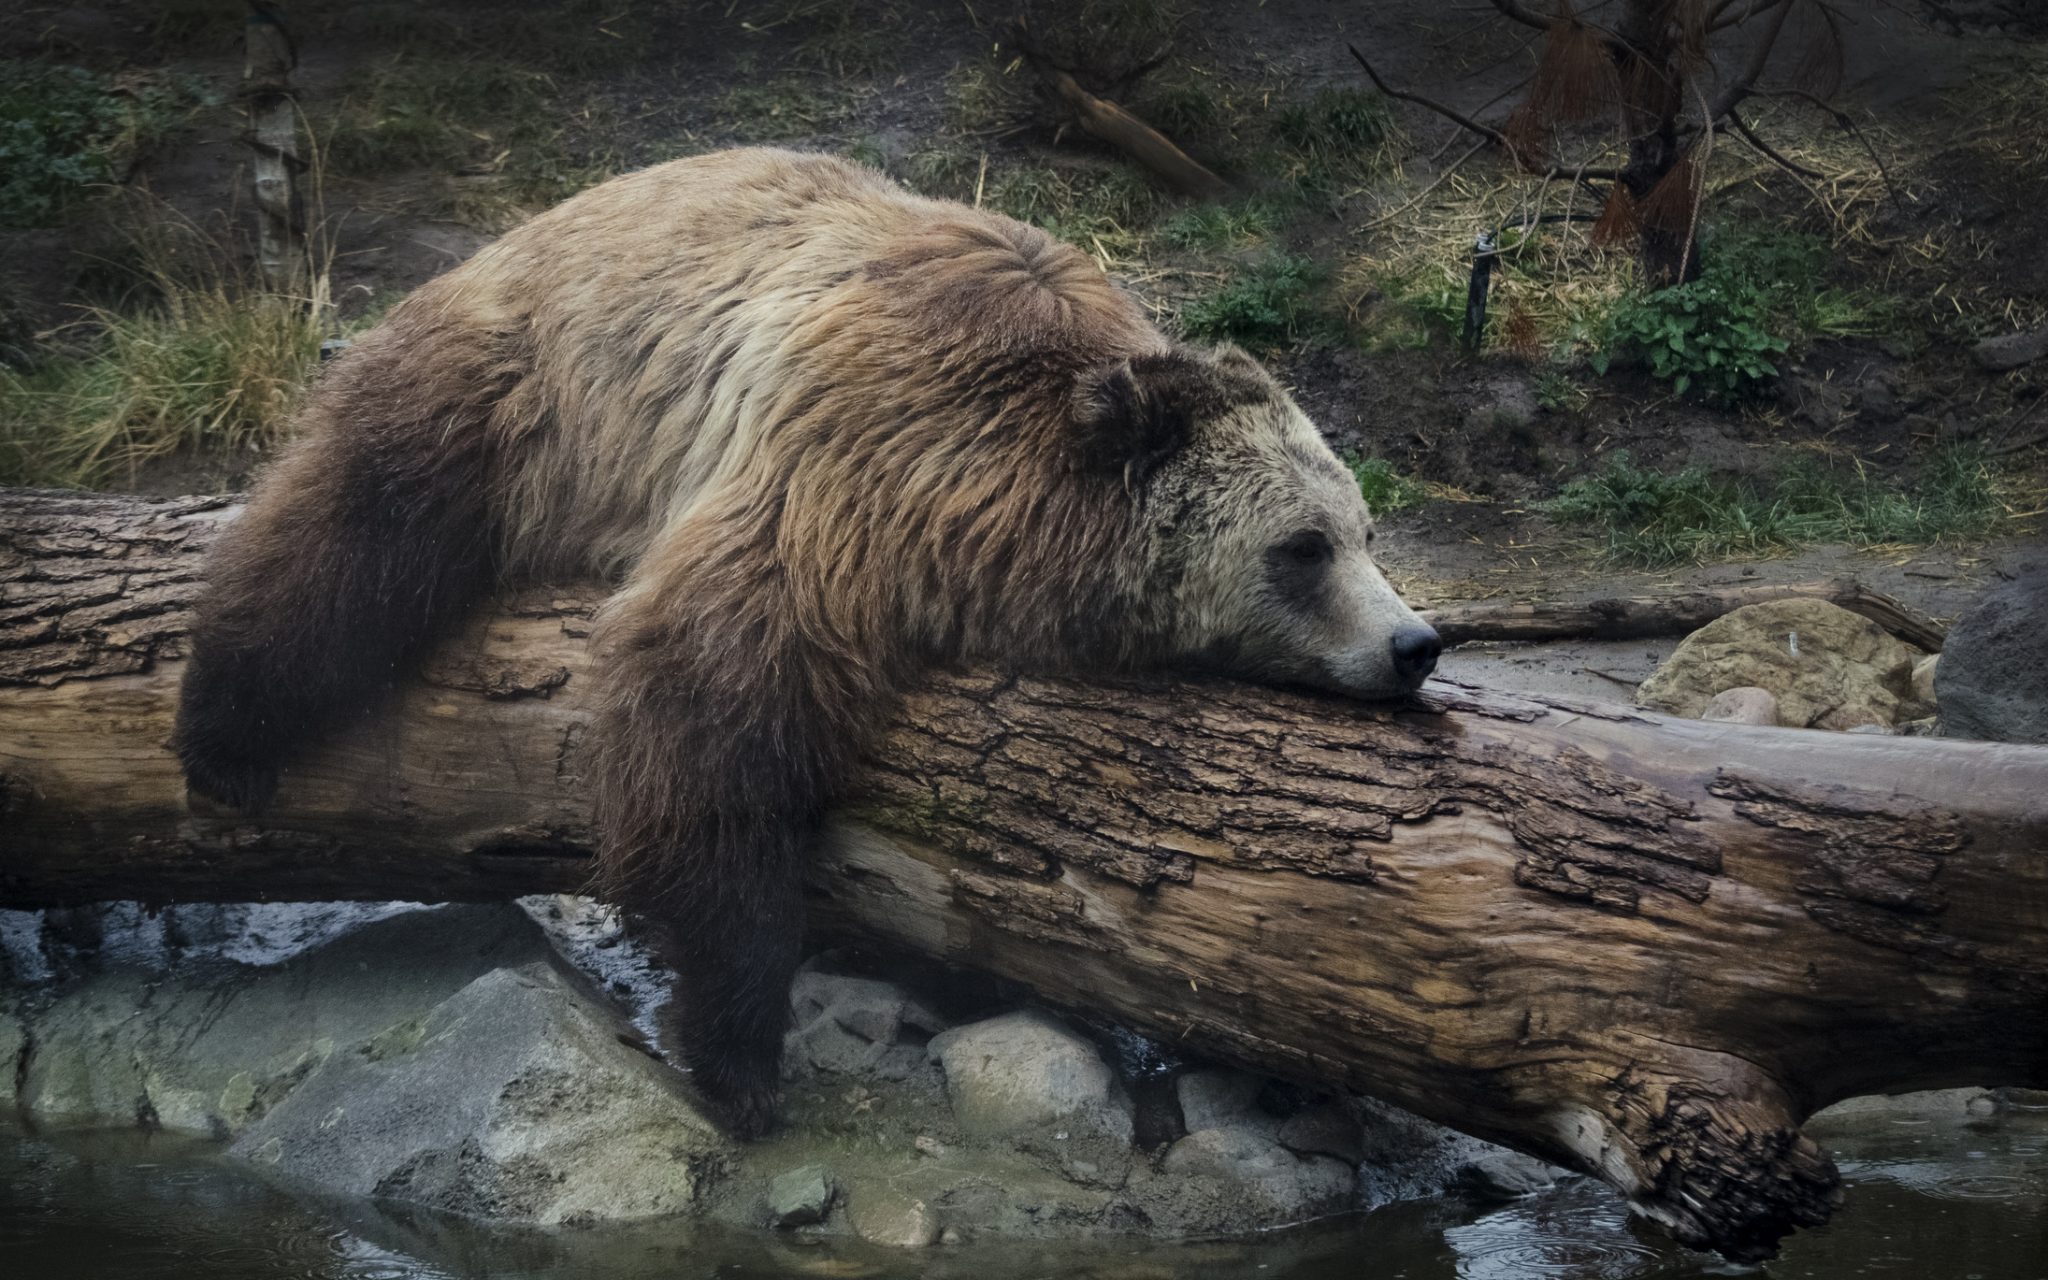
(1254, 547)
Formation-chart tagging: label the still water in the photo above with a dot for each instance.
(1946, 1197)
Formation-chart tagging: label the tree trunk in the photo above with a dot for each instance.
(1645, 948)
(274, 145)
(1639, 617)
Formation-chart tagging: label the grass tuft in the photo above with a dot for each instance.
(199, 360)
(1656, 519)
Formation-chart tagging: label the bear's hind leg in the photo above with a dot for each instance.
(359, 548)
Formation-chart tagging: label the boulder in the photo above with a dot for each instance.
(517, 1099)
(1746, 705)
(1215, 1099)
(1250, 1169)
(209, 1048)
(799, 1196)
(893, 1219)
(845, 1025)
(1511, 1174)
(1828, 668)
(1027, 1079)
(13, 1044)
(1992, 682)
(1324, 1129)
(1026, 1072)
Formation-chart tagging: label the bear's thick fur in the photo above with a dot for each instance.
(827, 434)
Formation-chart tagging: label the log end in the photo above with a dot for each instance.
(1714, 1156)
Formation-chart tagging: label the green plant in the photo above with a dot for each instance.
(1386, 490)
(410, 112)
(1214, 226)
(64, 129)
(1263, 306)
(1710, 334)
(1654, 519)
(1338, 135)
(1559, 392)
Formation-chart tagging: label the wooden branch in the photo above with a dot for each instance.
(1759, 58)
(1110, 123)
(1642, 947)
(1639, 617)
(1458, 118)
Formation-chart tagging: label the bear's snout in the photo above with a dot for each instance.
(1415, 647)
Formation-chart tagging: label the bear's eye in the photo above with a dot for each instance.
(1310, 546)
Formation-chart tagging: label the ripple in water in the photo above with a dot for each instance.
(1580, 1232)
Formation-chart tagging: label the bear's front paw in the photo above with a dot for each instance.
(237, 780)
(748, 1108)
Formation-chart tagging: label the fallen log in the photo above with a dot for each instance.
(1675, 614)
(1642, 947)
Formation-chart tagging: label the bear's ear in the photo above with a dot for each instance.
(1130, 416)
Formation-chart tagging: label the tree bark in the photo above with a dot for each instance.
(1644, 948)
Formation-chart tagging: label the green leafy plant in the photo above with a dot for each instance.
(64, 129)
(1709, 335)
(1212, 226)
(1386, 490)
(1265, 306)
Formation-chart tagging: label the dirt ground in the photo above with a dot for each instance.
(1953, 231)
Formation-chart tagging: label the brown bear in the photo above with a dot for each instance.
(827, 434)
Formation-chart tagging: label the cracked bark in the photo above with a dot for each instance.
(1641, 947)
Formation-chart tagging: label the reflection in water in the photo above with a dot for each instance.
(1928, 1199)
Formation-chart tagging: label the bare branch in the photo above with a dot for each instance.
(1463, 121)
(1741, 127)
(1759, 58)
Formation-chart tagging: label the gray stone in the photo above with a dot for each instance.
(514, 1100)
(1024, 1072)
(881, 1215)
(1744, 705)
(846, 1025)
(800, 1196)
(13, 1043)
(209, 1048)
(1272, 1182)
(1923, 678)
(1215, 1099)
(1325, 1129)
(2011, 350)
(1827, 667)
(1993, 679)
(1510, 1173)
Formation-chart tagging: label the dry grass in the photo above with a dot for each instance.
(201, 360)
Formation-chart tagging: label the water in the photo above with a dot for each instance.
(1931, 1197)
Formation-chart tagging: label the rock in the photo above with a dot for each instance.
(1325, 1129)
(1745, 705)
(2011, 350)
(1878, 730)
(1992, 682)
(1923, 678)
(1215, 1099)
(1827, 667)
(847, 1025)
(13, 1044)
(1026, 1071)
(881, 1215)
(1029, 1080)
(1270, 1181)
(1510, 1173)
(514, 1100)
(211, 1048)
(799, 1197)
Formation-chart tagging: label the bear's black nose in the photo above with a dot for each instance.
(1415, 651)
